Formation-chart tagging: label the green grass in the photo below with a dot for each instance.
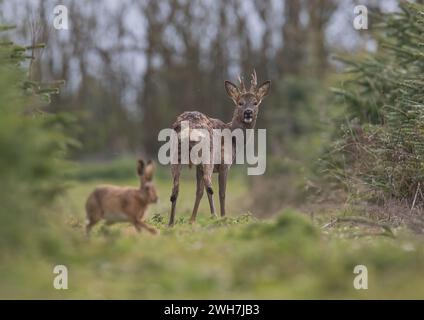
(240, 256)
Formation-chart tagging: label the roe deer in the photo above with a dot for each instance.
(246, 110)
(123, 204)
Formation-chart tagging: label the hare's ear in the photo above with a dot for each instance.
(150, 170)
(140, 167)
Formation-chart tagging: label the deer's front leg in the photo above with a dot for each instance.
(222, 180)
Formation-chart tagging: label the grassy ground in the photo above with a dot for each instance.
(289, 256)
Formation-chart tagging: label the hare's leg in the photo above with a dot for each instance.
(94, 213)
(90, 226)
(148, 227)
(136, 223)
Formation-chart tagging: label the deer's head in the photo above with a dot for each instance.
(247, 101)
(147, 188)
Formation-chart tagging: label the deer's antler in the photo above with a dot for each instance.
(242, 86)
(253, 82)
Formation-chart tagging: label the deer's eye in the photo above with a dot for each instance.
(255, 103)
(240, 103)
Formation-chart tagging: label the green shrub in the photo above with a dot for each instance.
(32, 147)
(381, 152)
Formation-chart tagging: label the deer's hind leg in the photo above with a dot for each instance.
(200, 186)
(175, 171)
(207, 178)
(223, 173)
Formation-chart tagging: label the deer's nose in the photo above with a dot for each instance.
(248, 113)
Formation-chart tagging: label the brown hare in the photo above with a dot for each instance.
(123, 204)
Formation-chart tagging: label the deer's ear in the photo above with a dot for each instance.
(263, 89)
(150, 170)
(232, 90)
(140, 167)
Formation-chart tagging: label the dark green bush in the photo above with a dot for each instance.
(32, 147)
(381, 153)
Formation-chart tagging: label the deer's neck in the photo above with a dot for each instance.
(237, 124)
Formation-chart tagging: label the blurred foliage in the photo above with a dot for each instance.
(32, 147)
(299, 114)
(118, 169)
(174, 56)
(380, 154)
(123, 168)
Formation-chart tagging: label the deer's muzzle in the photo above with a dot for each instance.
(248, 116)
